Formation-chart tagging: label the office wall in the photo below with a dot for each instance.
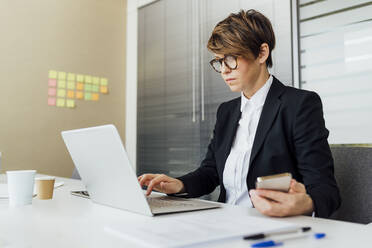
(80, 36)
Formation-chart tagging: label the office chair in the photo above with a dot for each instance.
(353, 172)
(75, 174)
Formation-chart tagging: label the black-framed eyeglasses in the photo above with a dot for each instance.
(230, 61)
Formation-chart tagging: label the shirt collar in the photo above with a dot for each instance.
(258, 99)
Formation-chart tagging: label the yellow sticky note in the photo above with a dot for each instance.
(70, 85)
(80, 78)
(88, 96)
(88, 87)
(61, 84)
(95, 80)
(88, 79)
(70, 94)
(52, 74)
(95, 96)
(80, 86)
(62, 75)
(71, 77)
(79, 95)
(61, 93)
(70, 103)
(104, 81)
(60, 102)
(104, 89)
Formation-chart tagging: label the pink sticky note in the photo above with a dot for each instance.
(51, 101)
(52, 92)
(52, 82)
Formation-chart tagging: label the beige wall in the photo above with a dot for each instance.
(81, 36)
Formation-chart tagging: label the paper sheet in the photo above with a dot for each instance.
(192, 229)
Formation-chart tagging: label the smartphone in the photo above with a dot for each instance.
(280, 182)
(81, 193)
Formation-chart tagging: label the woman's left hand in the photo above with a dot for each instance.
(280, 204)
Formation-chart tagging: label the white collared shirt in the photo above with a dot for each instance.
(237, 163)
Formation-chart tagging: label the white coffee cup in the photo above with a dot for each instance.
(20, 186)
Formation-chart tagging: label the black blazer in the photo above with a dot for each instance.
(291, 137)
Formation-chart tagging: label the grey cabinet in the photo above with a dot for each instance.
(178, 92)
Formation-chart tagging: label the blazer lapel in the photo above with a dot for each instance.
(268, 114)
(231, 130)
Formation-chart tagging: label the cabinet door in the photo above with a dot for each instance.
(182, 127)
(151, 148)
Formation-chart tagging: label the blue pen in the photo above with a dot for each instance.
(279, 241)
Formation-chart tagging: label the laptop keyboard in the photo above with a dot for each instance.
(166, 202)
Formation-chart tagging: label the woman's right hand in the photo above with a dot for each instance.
(161, 183)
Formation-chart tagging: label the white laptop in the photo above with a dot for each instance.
(105, 170)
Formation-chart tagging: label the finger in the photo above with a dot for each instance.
(154, 182)
(297, 187)
(266, 206)
(273, 195)
(146, 178)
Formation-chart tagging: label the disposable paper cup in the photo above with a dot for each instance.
(20, 187)
(45, 187)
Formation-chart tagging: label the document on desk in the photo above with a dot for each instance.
(193, 229)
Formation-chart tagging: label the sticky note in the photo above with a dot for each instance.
(95, 80)
(70, 103)
(95, 96)
(52, 82)
(79, 95)
(88, 87)
(104, 81)
(61, 84)
(52, 74)
(62, 75)
(71, 77)
(104, 89)
(51, 101)
(61, 93)
(88, 79)
(95, 88)
(88, 96)
(70, 85)
(80, 78)
(70, 94)
(60, 102)
(80, 86)
(52, 92)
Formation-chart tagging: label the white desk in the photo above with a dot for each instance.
(70, 221)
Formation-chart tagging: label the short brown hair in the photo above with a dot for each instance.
(243, 33)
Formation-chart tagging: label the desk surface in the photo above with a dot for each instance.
(70, 221)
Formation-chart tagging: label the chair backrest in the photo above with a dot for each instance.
(353, 172)
(75, 174)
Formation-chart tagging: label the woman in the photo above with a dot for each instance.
(270, 129)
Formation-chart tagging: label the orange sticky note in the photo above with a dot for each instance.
(70, 103)
(70, 94)
(95, 96)
(60, 102)
(79, 95)
(80, 86)
(104, 89)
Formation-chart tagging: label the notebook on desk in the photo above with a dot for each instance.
(105, 170)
